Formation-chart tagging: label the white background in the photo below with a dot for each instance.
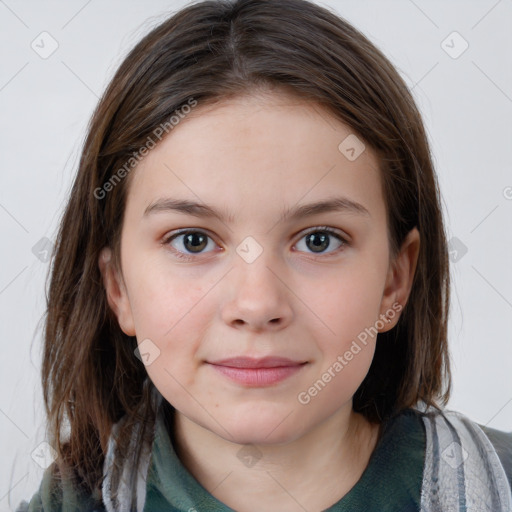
(466, 102)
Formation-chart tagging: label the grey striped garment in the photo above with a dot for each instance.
(462, 470)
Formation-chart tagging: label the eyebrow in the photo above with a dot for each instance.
(187, 207)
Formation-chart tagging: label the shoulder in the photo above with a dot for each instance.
(59, 493)
(462, 464)
(502, 443)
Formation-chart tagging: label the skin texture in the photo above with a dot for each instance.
(253, 157)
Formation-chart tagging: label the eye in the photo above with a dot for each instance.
(187, 243)
(318, 240)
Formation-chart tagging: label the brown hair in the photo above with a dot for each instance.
(212, 51)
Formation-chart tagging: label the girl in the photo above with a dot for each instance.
(249, 295)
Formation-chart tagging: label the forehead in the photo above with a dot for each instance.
(251, 155)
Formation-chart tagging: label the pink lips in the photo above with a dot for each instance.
(257, 372)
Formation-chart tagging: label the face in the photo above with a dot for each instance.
(251, 279)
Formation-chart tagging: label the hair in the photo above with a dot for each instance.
(212, 51)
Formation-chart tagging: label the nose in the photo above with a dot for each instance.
(258, 298)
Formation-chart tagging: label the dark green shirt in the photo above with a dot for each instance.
(390, 483)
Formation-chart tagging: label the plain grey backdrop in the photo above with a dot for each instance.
(56, 59)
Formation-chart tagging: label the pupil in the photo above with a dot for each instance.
(196, 240)
(319, 242)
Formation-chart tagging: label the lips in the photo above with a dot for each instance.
(257, 372)
(251, 363)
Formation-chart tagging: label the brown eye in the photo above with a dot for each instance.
(195, 242)
(189, 242)
(320, 239)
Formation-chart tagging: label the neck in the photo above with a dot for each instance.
(311, 472)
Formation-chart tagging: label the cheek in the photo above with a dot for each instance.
(174, 316)
(164, 302)
(174, 311)
(345, 357)
(349, 302)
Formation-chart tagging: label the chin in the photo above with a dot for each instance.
(261, 429)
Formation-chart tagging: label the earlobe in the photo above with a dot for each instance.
(115, 290)
(399, 280)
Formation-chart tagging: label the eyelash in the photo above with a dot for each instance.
(319, 229)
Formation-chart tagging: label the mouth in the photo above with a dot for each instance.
(257, 372)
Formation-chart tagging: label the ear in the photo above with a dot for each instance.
(399, 280)
(117, 296)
